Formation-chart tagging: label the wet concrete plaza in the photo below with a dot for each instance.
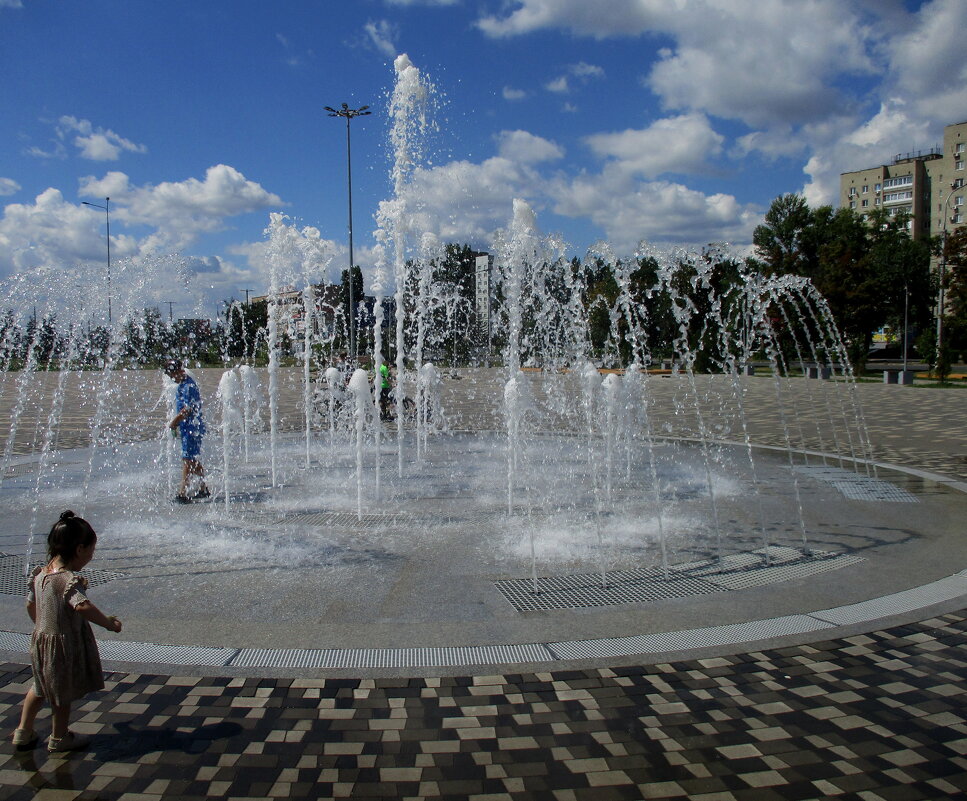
(298, 651)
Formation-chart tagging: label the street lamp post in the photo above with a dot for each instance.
(348, 114)
(107, 214)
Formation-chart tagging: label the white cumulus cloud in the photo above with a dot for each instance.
(526, 148)
(97, 144)
(54, 231)
(928, 65)
(381, 35)
(8, 186)
(672, 145)
(180, 211)
(657, 211)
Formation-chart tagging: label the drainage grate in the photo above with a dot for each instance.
(898, 603)
(872, 489)
(753, 631)
(736, 571)
(758, 577)
(341, 519)
(14, 641)
(24, 469)
(586, 590)
(13, 581)
(857, 487)
(393, 657)
(119, 651)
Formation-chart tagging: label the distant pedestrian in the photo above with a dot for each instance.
(190, 424)
(63, 651)
(384, 391)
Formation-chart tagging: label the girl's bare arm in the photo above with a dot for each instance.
(92, 614)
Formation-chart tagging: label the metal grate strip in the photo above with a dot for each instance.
(783, 572)
(120, 651)
(14, 641)
(949, 588)
(16, 470)
(898, 603)
(346, 519)
(857, 487)
(393, 657)
(13, 580)
(733, 572)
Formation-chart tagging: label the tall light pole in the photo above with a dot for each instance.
(348, 114)
(107, 214)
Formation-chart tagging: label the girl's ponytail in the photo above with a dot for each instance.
(67, 535)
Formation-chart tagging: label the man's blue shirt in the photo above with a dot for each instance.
(193, 425)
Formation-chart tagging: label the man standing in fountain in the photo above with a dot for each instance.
(190, 425)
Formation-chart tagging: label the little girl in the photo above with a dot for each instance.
(63, 651)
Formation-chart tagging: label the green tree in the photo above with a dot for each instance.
(955, 292)
(784, 240)
(357, 296)
(865, 266)
(246, 328)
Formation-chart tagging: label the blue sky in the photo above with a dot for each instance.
(672, 122)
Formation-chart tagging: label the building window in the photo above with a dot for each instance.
(866, 189)
(959, 147)
(852, 204)
(906, 180)
(960, 164)
(959, 200)
(878, 187)
(865, 203)
(895, 197)
(876, 202)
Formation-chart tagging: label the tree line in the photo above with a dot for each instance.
(873, 275)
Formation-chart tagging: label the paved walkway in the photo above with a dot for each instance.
(872, 715)
(875, 716)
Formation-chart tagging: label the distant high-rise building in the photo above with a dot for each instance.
(930, 186)
(482, 290)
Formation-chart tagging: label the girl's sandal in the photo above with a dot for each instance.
(69, 742)
(24, 739)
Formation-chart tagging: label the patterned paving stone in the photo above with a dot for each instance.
(768, 725)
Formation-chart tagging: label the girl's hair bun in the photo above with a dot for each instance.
(65, 516)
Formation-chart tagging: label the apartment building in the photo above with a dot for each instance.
(930, 186)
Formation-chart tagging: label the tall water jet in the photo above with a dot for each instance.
(281, 251)
(408, 106)
(251, 403)
(233, 421)
(333, 395)
(359, 387)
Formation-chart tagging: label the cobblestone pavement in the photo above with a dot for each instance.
(874, 716)
(879, 715)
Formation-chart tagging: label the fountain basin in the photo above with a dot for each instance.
(428, 564)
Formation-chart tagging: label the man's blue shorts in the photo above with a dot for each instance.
(190, 446)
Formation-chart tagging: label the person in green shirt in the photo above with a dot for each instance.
(384, 388)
